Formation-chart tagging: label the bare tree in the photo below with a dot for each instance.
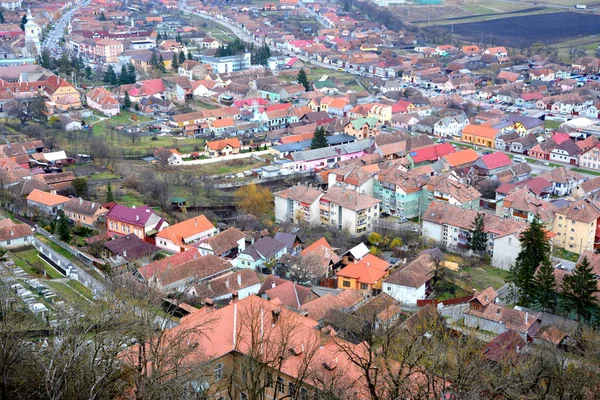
(162, 155)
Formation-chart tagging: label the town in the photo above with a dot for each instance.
(294, 200)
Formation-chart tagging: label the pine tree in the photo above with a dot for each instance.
(109, 193)
(579, 289)
(2, 20)
(535, 251)
(303, 79)
(175, 61)
(88, 72)
(102, 17)
(189, 55)
(478, 240)
(63, 229)
(319, 139)
(544, 288)
(181, 57)
(39, 111)
(110, 77)
(131, 73)
(123, 76)
(158, 36)
(161, 64)
(154, 59)
(23, 22)
(126, 101)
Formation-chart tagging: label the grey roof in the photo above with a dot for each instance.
(528, 122)
(287, 238)
(333, 140)
(266, 248)
(334, 151)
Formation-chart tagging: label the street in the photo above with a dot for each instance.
(54, 37)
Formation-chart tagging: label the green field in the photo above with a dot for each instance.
(71, 295)
(31, 263)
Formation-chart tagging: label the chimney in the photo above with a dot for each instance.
(137, 217)
(210, 304)
(239, 280)
(195, 222)
(93, 205)
(133, 207)
(234, 296)
(368, 264)
(526, 317)
(273, 284)
(227, 283)
(80, 201)
(125, 253)
(275, 313)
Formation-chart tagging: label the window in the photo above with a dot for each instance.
(364, 286)
(269, 380)
(303, 394)
(291, 388)
(218, 372)
(280, 385)
(346, 283)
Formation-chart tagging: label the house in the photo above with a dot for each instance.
(566, 152)
(485, 314)
(505, 348)
(449, 189)
(298, 203)
(240, 284)
(227, 244)
(129, 249)
(347, 209)
(524, 125)
(288, 293)
(482, 135)
(490, 164)
(292, 242)
(325, 254)
(590, 158)
(179, 237)
(224, 147)
(449, 127)
(412, 282)
(460, 159)
(428, 155)
(141, 221)
(343, 301)
(103, 101)
(400, 192)
(563, 180)
(174, 156)
(265, 250)
(522, 205)
(366, 275)
(538, 186)
(362, 128)
(522, 144)
(451, 226)
(47, 203)
(354, 177)
(84, 212)
(575, 226)
(589, 188)
(15, 235)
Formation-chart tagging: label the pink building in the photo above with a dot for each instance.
(318, 159)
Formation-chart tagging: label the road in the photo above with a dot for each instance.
(52, 41)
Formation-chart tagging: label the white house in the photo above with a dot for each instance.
(262, 251)
(244, 283)
(298, 203)
(174, 158)
(181, 236)
(411, 283)
(14, 235)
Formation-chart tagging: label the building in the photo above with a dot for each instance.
(108, 50)
(103, 101)
(84, 212)
(142, 221)
(347, 209)
(224, 65)
(563, 180)
(448, 189)
(15, 235)
(362, 128)
(227, 244)
(575, 226)
(298, 203)
(221, 148)
(264, 251)
(47, 203)
(240, 284)
(366, 275)
(179, 237)
(450, 227)
(400, 192)
(173, 157)
(481, 135)
(33, 34)
(412, 282)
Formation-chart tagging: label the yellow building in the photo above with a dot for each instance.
(481, 135)
(366, 275)
(576, 226)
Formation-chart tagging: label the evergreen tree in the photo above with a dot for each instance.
(544, 288)
(102, 17)
(154, 59)
(88, 72)
(178, 38)
(158, 36)
(46, 59)
(127, 101)
(23, 22)
(123, 76)
(109, 193)
(175, 61)
(303, 79)
(189, 55)
(110, 77)
(63, 228)
(319, 139)
(478, 240)
(579, 289)
(535, 251)
(2, 20)
(39, 111)
(181, 57)
(161, 64)
(131, 73)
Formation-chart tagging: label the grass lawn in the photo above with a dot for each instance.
(70, 294)
(585, 171)
(208, 106)
(229, 167)
(131, 199)
(32, 263)
(81, 289)
(102, 176)
(551, 124)
(464, 282)
(566, 255)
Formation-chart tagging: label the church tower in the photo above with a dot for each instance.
(33, 32)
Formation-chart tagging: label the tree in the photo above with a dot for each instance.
(38, 109)
(109, 193)
(175, 61)
(123, 76)
(535, 251)
(319, 139)
(579, 289)
(102, 17)
(154, 59)
(162, 155)
(2, 20)
(161, 64)
(88, 72)
(544, 288)
(110, 77)
(127, 101)
(45, 59)
(181, 57)
(303, 79)
(254, 199)
(189, 55)
(23, 22)
(478, 239)
(80, 185)
(63, 228)
(131, 73)
(374, 239)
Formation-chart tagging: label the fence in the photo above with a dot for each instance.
(449, 302)
(328, 282)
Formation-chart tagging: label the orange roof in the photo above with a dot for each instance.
(485, 131)
(368, 270)
(338, 103)
(45, 198)
(222, 123)
(461, 157)
(316, 245)
(186, 229)
(370, 168)
(221, 144)
(297, 138)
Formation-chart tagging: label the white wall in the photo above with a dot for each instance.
(506, 250)
(432, 231)
(404, 294)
